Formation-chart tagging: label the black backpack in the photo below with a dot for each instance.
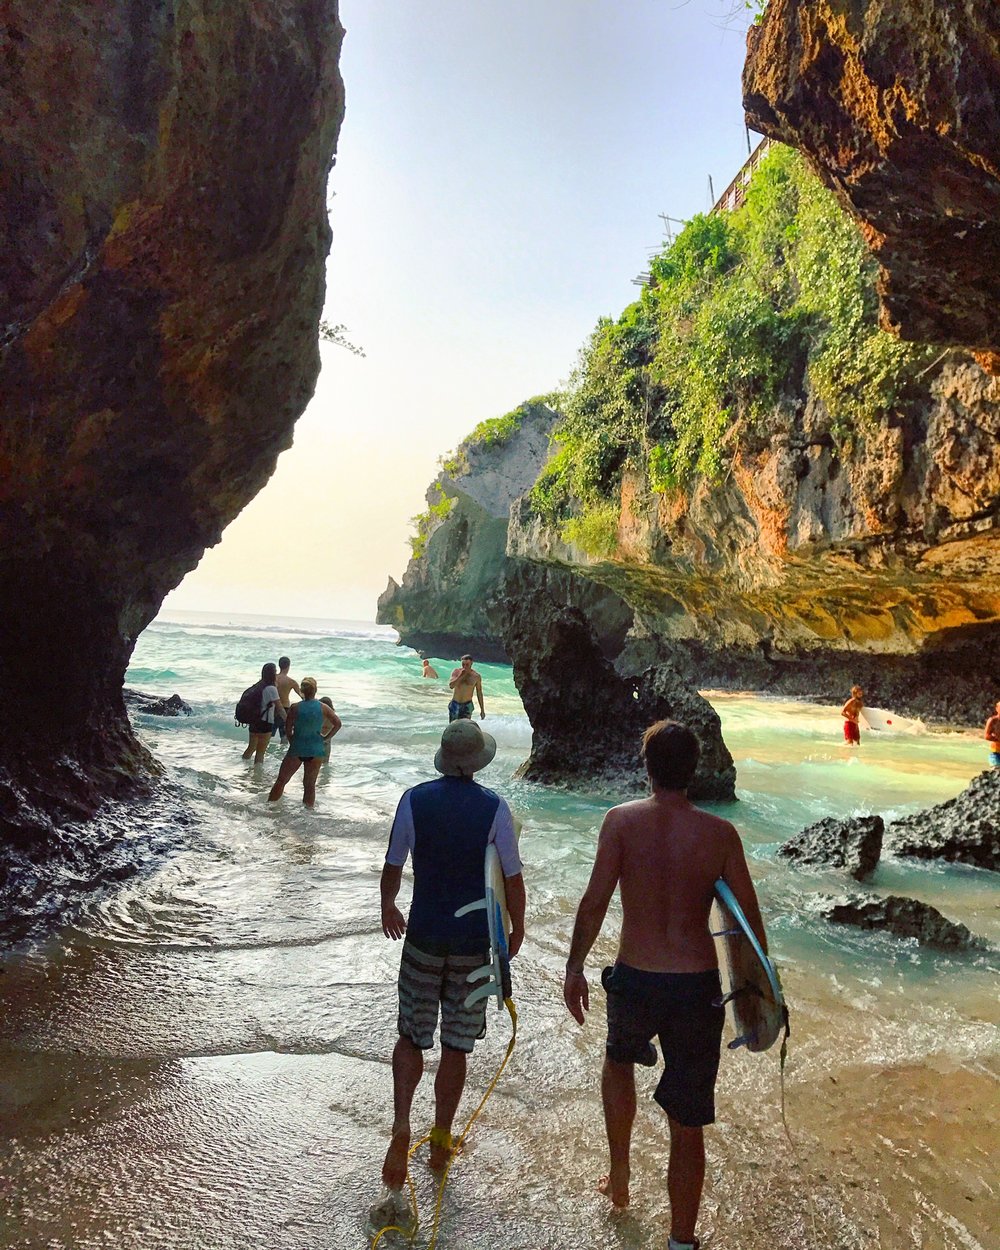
(248, 708)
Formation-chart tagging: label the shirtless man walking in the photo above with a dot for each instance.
(992, 735)
(465, 682)
(665, 856)
(286, 684)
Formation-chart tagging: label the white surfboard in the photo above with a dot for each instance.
(492, 979)
(880, 720)
(751, 991)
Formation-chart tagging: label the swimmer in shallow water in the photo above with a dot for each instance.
(429, 670)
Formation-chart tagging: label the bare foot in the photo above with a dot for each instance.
(615, 1187)
(394, 1167)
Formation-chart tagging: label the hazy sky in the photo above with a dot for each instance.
(500, 173)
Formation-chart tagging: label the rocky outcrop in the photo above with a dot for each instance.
(450, 600)
(896, 103)
(965, 829)
(154, 705)
(854, 844)
(903, 917)
(814, 564)
(587, 720)
(163, 213)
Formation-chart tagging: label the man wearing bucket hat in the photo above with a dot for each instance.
(446, 825)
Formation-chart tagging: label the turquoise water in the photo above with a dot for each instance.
(202, 1055)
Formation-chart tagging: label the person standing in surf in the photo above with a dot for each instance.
(464, 683)
(992, 735)
(264, 715)
(310, 724)
(851, 712)
(446, 826)
(664, 856)
(285, 683)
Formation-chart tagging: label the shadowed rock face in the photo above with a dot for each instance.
(965, 829)
(903, 917)
(854, 844)
(586, 720)
(163, 226)
(896, 103)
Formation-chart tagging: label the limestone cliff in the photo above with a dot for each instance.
(812, 564)
(450, 598)
(896, 103)
(164, 229)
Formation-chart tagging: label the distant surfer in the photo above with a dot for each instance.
(992, 735)
(446, 825)
(664, 856)
(852, 712)
(429, 670)
(464, 683)
(285, 684)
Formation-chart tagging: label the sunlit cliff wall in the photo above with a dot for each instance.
(896, 104)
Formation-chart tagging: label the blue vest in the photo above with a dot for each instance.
(452, 818)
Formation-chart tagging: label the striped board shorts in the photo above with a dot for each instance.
(428, 983)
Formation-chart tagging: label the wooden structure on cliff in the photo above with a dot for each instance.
(730, 200)
(736, 192)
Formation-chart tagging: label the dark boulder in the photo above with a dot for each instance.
(587, 720)
(154, 705)
(854, 844)
(904, 917)
(966, 829)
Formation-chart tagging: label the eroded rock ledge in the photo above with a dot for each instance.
(163, 211)
(896, 103)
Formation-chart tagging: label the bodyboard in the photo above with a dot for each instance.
(751, 992)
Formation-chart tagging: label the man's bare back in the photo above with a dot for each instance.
(667, 855)
(286, 685)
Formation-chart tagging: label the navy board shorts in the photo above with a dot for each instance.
(459, 711)
(682, 1010)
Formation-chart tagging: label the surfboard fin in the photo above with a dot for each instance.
(745, 1040)
(743, 989)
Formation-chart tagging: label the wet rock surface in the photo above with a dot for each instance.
(965, 830)
(854, 844)
(154, 705)
(587, 720)
(896, 103)
(164, 207)
(903, 917)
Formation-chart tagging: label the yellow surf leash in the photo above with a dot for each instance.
(411, 1234)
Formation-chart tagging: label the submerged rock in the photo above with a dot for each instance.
(587, 720)
(896, 103)
(965, 829)
(854, 843)
(155, 705)
(904, 917)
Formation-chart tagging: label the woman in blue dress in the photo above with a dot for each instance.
(308, 725)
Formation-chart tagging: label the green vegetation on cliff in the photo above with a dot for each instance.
(746, 311)
(427, 521)
(494, 432)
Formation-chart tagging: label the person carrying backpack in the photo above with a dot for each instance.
(257, 708)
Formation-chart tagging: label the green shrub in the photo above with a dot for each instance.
(425, 523)
(595, 530)
(744, 308)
